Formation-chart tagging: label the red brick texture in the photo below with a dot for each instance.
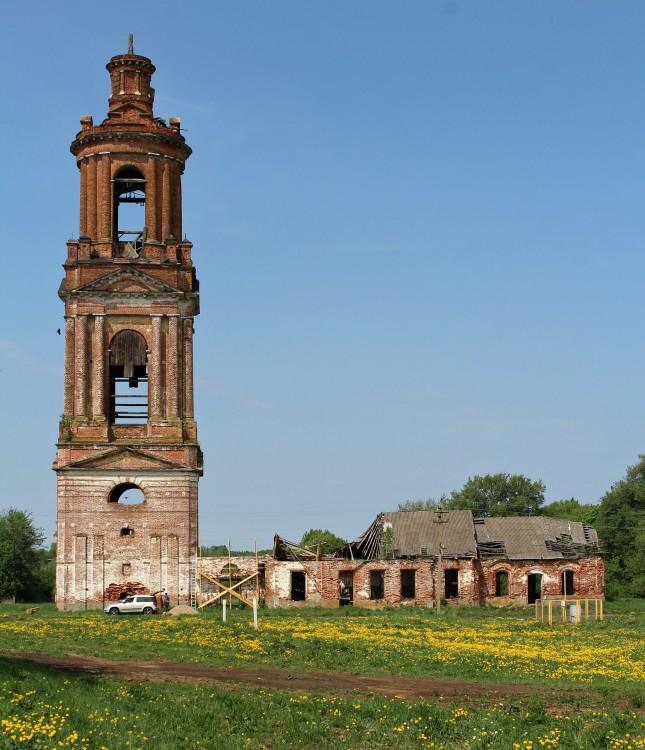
(588, 579)
(475, 580)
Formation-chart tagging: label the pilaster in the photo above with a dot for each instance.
(172, 385)
(80, 356)
(68, 393)
(165, 212)
(98, 368)
(154, 364)
(91, 198)
(188, 369)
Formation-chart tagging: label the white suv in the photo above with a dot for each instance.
(142, 604)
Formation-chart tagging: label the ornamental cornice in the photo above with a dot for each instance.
(125, 136)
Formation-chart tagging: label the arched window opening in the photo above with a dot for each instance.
(127, 531)
(129, 212)
(501, 583)
(568, 588)
(126, 494)
(229, 570)
(128, 373)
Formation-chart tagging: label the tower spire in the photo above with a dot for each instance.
(130, 44)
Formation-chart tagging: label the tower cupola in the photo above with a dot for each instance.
(133, 158)
(132, 93)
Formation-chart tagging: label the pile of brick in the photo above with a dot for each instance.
(115, 591)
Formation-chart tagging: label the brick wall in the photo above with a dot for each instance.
(476, 580)
(588, 578)
(104, 546)
(323, 582)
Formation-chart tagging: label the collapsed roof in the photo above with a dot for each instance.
(410, 534)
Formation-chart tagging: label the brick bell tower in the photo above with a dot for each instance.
(128, 460)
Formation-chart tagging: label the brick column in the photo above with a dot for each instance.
(151, 199)
(80, 357)
(104, 198)
(166, 209)
(159, 202)
(83, 209)
(68, 395)
(188, 369)
(172, 385)
(98, 368)
(176, 200)
(91, 197)
(154, 368)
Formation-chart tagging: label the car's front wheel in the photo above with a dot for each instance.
(147, 610)
(114, 611)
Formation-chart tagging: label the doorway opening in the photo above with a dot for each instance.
(377, 584)
(451, 583)
(408, 584)
(534, 588)
(346, 587)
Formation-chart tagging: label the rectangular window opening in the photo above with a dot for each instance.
(501, 583)
(568, 583)
(451, 583)
(298, 589)
(408, 581)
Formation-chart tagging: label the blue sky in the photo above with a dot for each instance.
(418, 228)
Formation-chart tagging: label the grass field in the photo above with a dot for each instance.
(592, 678)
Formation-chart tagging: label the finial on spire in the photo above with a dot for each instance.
(130, 44)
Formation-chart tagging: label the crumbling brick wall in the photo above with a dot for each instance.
(93, 552)
(588, 578)
(241, 568)
(116, 591)
(476, 580)
(323, 582)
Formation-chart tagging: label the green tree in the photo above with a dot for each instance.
(329, 543)
(621, 528)
(221, 550)
(22, 561)
(498, 495)
(571, 510)
(411, 505)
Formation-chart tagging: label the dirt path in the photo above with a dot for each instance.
(405, 687)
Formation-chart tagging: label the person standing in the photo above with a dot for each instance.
(166, 602)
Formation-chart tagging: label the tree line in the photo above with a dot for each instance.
(27, 569)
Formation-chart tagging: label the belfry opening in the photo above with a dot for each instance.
(128, 378)
(129, 201)
(128, 460)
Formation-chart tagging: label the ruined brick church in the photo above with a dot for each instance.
(128, 461)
